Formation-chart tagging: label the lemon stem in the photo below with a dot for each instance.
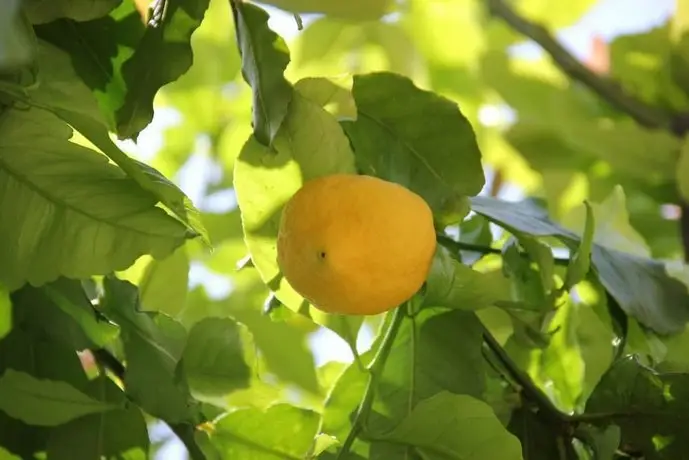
(375, 370)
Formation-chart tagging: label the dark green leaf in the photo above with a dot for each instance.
(163, 286)
(264, 59)
(395, 139)
(162, 55)
(120, 432)
(40, 11)
(352, 10)
(651, 409)
(214, 357)
(454, 285)
(45, 402)
(62, 93)
(281, 432)
(604, 442)
(153, 345)
(539, 437)
(640, 285)
(83, 215)
(449, 426)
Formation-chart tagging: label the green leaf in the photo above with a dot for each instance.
(651, 408)
(640, 285)
(393, 138)
(281, 432)
(580, 263)
(119, 433)
(310, 144)
(334, 98)
(164, 283)
(552, 16)
(153, 345)
(284, 349)
(264, 59)
(603, 441)
(15, 36)
(682, 176)
(45, 402)
(454, 285)
(84, 215)
(40, 12)
(66, 96)
(451, 426)
(358, 10)
(214, 357)
(433, 351)
(5, 312)
(69, 296)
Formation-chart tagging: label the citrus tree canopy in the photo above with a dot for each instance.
(344, 230)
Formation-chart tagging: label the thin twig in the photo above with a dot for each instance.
(608, 90)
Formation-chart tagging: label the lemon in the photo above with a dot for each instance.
(355, 244)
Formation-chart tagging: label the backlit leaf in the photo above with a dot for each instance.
(455, 426)
(352, 9)
(214, 358)
(84, 215)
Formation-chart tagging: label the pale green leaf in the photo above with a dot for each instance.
(449, 426)
(214, 357)
(359, 10)
(264, 59)
(45, 402)
(82, 214)
(394, 138)
(164, 283)
(554, 15)
(282, 432)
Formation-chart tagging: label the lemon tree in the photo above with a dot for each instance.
(335, 230)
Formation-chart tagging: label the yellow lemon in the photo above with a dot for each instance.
(355, 244)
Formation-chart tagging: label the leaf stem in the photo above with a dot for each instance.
(455, 245)
(610, 91)
(375, 369)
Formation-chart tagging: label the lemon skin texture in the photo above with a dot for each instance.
(355, 244)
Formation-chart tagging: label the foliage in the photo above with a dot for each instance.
(553, 325)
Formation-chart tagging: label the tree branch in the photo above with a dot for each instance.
(644, 114)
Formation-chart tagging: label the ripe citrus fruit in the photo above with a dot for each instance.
(354, 244)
